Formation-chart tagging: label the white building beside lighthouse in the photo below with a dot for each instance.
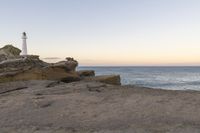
(24, 45)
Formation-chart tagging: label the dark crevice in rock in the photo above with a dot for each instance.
(39, 97)
(16, 89)
(95, 88)
(70, 79)
(43, 104)
(53, 84)
(46, 105)
(38, 94)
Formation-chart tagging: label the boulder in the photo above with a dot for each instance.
(108, 79)
(71, 64)
(86, 73)
(68, 65)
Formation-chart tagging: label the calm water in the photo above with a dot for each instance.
(174, 78)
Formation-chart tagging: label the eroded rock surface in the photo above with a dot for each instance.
(109, 79)
(9, 52)
(14, 67)
(21, 64)
(93, 107)
(32, 68)
(86, 73)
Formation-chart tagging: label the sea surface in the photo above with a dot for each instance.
(172, 78)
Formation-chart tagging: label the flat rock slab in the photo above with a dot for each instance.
(86, 73)
(108, 79)
(92, 107)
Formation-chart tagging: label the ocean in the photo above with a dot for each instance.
(171, 78)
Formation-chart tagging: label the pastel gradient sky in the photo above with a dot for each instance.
(106, 32)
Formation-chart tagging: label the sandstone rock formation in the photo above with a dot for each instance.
(86, 73)
(108, 79)
(14, 67)
(9, 52)
(32, 68)
(21, 64)
(71, 63)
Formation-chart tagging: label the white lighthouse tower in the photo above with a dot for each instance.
(24, 45)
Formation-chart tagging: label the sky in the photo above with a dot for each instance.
(106, 32)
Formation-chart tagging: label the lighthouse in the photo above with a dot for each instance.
(24, 45)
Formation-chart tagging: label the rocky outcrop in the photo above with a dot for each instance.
(21, 64)
(86, 73)
(14, 67)
(32, 68)
(108, 79)
(48, 73)
(9, 52)
(69, 65)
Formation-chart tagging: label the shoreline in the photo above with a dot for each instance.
(132, 86)
(170, 78)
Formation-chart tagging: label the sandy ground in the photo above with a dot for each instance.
(91, 107)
